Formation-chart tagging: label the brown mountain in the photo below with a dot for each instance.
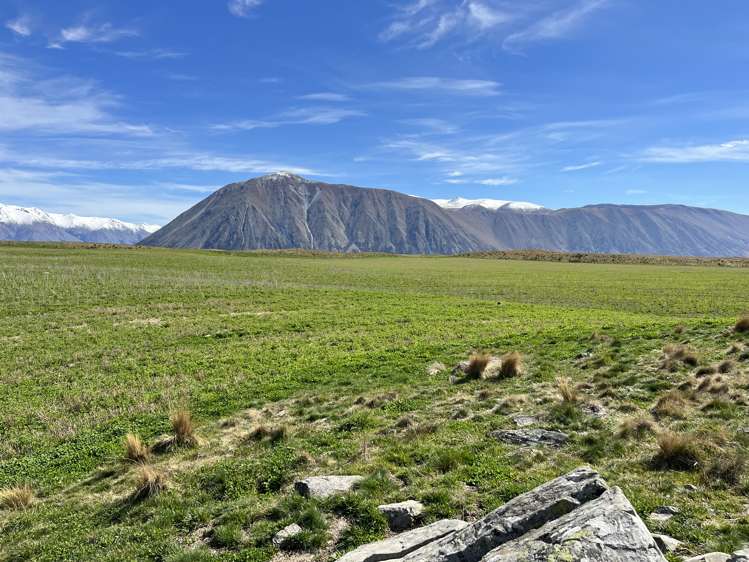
(286, 211)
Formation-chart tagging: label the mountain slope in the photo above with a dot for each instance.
(35, 225)
(286, 211)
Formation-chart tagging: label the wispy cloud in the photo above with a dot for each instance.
(298, 116)
(425, 23)
(433, 124)
(91, 33)
(20, 26)
(153, 54)
(498, 181)
(579, 167)
(325, 96)
(555, 26)
(731, 151)
(444, 85)
(33, 104)
(242, 8)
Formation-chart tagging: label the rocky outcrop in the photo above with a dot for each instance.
(403, 515)
(530, 437)
(573, 517)
(395, 548)
(326, 486)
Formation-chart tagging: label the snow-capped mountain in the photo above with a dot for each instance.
(31, 224)
(494, 204)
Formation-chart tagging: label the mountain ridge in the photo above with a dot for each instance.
(283, 211)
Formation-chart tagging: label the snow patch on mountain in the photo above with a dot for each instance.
(10, 214)
(494, 204)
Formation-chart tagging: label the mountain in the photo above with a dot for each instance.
(29, 224)
(286, 211)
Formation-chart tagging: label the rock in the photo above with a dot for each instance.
(595, 410)
(710, 557)
(435, 368)
(606, 529)
(326, 486)
(663, 513)
(740, 556)
(524, 421)
(400, 545)
(530, 437)
(517, 517)
(690, 488)
(286, 533)
(666, 543)
(402, 516)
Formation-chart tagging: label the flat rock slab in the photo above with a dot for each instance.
(286, 533)
(663, 513)
(740, 556)
(326, 486)
(398, 546)
(520, 515)
(403, 515)
(524, 421)
(710, 557)
(666, 543)
(606, 529)
(531, 437)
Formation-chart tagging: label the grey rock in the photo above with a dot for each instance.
(520, 515)
(403, 515)
(531, 437)
(709, 557)
(663, 513)
(394, 548)
(435, 368)
(595, 410)
(524, 421)
(740, 556)
(286, 533)
(606, 529)
(326, 486)
(666, 543)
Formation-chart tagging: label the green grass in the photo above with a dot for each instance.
(98, 343)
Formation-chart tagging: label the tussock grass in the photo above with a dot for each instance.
(677, 451)
(148, 483)
(636, 427)
(17, 497)
(183, 429)
(706, 371)
(742, 324)
(671, 405)
(713, 385)
(726, 366)
(567, 390)
(135, 450)
(267, 433)
(477, 364)
(726, 468)
(512, 365)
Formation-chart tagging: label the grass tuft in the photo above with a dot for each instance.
(742, 324)
(512, 365)
(17, 498)
(148, 483)
(676, 451)
(183, 429)
(135, 450)
(670, 405)
(567, 391)
(636, 427)
(477, 364)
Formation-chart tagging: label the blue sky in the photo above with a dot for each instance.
(139, 109)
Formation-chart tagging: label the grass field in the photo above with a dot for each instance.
(330, 355)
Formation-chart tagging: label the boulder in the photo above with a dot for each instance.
(403, 515)
(740, 556)
(518, 516)
(286, 533)
(326, 486)
(532, 437)
(606, 529)
(394, 548)
(666, 543)
(709, 557)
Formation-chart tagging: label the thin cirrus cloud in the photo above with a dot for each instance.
(20, 25)
(91, 33)
(446, 85)
(151, 54)
(580, 167)
(554, 26)
(299, 116)
(325, 96)
(731, 151)
(242, 8)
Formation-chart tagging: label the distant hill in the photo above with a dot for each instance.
(287, 211)
(29, 224)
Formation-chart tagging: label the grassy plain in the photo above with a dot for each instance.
(332, 352)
